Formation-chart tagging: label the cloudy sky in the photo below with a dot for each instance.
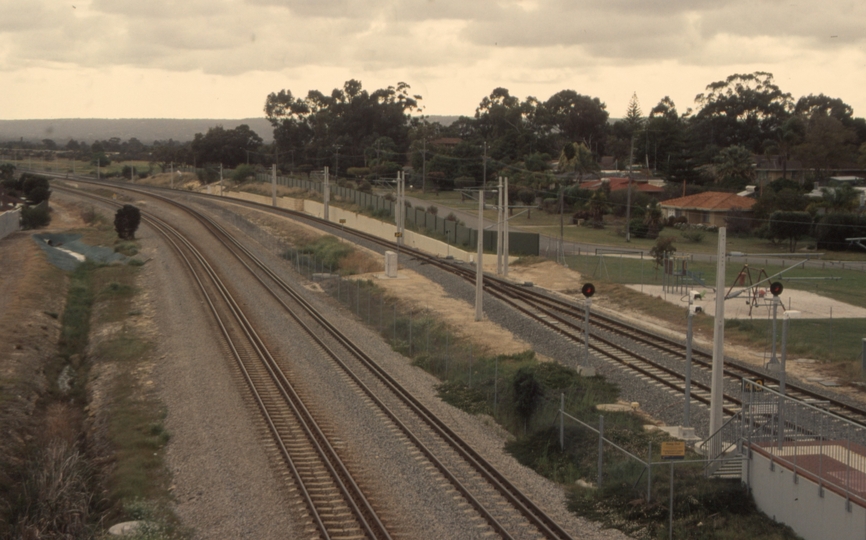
(220, 58)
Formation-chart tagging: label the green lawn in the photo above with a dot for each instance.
(83, 167)
(851, 288)
(613, 233)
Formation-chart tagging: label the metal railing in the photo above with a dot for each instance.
(799, 435)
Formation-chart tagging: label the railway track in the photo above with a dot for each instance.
(504, 509)
(566, 318)
(335, 505)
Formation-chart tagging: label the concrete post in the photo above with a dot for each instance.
(274, 184)
(505, 233)
(586, 328)
(686, 411)
(479, 260)
(717, 381)
(326, 194)
(773, 359)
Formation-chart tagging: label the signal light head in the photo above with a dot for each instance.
(588, 289)
(776, 288)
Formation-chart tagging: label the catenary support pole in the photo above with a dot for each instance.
(326, 194)
(717, 381)
(274, 184)
(505, 233)
(479, 260)
(688, 389)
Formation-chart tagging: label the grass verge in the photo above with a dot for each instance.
(523, 396)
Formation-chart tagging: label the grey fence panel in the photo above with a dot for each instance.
(522, 243)
(464, 235)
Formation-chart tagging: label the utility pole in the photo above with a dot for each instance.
(479, 263)
(274, 184)
(484, 167)
(171, 174)
(326, 194)
(337, 168)
(424, 167)
(400, 215)
(628, 194)
(221, 179)
(499, 217)
(505, 234)
(562, 225)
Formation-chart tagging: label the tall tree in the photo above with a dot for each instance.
(743, 109)
(578, 118)
(226, 146)
(828, 145)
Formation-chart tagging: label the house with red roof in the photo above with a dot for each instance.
(617, 184)
(708, 208)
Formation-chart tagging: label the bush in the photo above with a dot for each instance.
(638, 228)
(365, 186)
(693, 235)
(207, 176)
(35, 188)
(432, 210)
(832, 230)
(126, 221)
(243, 174)
(664, 247)
(464, 182)
(33, 217)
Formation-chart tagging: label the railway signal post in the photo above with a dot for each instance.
(588, 290)
(776, 289)
(688, 389)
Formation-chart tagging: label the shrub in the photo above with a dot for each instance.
(432, 210)
(832, 230)
(33, 217)
(638, 228)
(664, 247)
(126, 221)
(365, 186)
(692, 235)
(207, 176)
(464, 182)
(243, 173)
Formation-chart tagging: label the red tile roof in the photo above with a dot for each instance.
(617, 184)
(711, 200)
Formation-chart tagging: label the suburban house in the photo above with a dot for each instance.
(616, 184)
(708, 208)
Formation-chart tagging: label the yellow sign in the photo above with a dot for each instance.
(342, 221)
(674, 450)
(398, 234)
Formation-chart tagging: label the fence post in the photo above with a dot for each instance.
(496, 390)
(561, 421)
(863, 355)
(600, 447)
(649, 473)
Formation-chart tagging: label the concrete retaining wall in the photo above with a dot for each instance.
(801, 506)
(9, 222)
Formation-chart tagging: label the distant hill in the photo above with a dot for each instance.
(146, 130)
